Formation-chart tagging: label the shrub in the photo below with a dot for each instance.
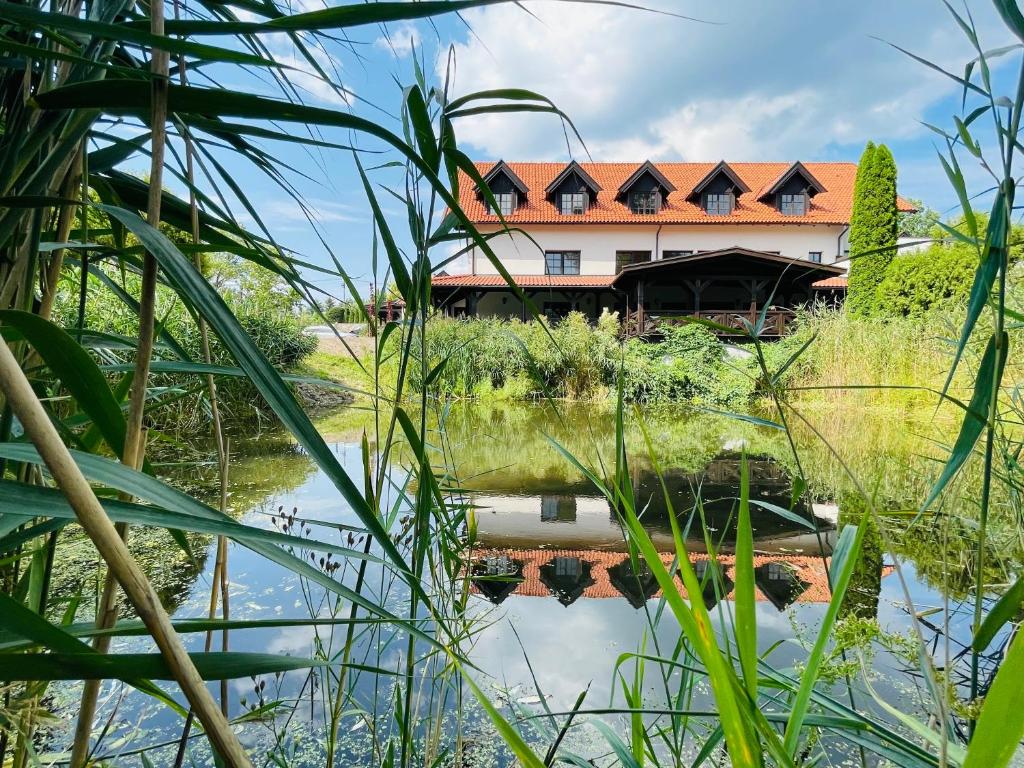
(938, 277)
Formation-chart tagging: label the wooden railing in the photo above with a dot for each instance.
(776, 323)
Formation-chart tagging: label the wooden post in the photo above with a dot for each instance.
(640, 306)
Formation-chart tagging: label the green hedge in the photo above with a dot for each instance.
(935, 278)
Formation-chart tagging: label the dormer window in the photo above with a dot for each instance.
(506, 203)
(574, 203)
(793, 205)
(720, 204)
(791, 193)
(645, 202)
(716, 193)
(572, 191)
(507, 189)
(645, 190)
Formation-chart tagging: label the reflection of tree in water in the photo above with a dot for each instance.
(260, 468)
(943, 549)
(865, 585)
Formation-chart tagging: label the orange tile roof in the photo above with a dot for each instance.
(809, 569)
(524, 281)
(829, 207)
(831, 282)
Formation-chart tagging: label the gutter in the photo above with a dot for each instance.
(839, 243)
(657, 248)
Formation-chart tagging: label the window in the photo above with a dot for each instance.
(562, 262)
(671, 254)
(574, 203)
(779, 572)
(568, 566)
(719, 205)
(625, 258)
(506, 203)
(644, 202)
(793, 205)
(814, 256)
(560, 509)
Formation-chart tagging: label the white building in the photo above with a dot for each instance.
(658, 239)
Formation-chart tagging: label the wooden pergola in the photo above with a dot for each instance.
(719, 286)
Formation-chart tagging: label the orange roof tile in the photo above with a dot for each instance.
(831, 282)
(829, 207)
(809, 569)
(524, 281)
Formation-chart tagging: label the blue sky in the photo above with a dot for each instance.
(782, 80)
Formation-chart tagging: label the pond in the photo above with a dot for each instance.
(551, 597)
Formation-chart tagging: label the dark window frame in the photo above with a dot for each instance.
(716, 203)
(505, 200)
(556, 262)
(645, 203)
(814, 257)
(673, 253)
(625, 258)
(573, 203)
(793, 204)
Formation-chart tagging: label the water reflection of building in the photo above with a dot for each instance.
(569, 575)
(576, 518)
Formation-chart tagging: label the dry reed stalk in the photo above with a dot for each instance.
(134, 446)
(114, 551)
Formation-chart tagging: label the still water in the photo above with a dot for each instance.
(554, 595)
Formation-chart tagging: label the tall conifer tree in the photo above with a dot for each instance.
(874, 225)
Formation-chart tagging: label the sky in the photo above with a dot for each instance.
(740, 80)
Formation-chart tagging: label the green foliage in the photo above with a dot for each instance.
(261, 302)
(874, 225)
(343, 312)
(938, 277)
(920, 223)
(509, 359)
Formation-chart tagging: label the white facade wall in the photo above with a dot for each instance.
(598, 243)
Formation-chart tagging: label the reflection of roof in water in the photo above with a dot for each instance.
(780, 579)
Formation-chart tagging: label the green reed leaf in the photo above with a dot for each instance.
(993, 259)
(77, 372)
(990, 373)
(841, 573)
(1001, 723)
(746, 613)
(1007, 608)
(131, 666)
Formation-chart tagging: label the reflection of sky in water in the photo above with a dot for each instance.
(569, 647)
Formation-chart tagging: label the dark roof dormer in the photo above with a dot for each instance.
(716, 193)
(646, 190)
(792, 191)
(573, 190)
(508, 190)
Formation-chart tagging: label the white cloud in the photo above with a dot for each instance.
(777, 80)
(401, 39)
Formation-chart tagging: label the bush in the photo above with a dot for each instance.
(938, 277)
(572, 359)
(344, 313)
(276, 332)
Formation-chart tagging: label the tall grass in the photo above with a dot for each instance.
(387, 596)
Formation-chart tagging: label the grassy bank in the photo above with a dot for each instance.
(848, 361)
